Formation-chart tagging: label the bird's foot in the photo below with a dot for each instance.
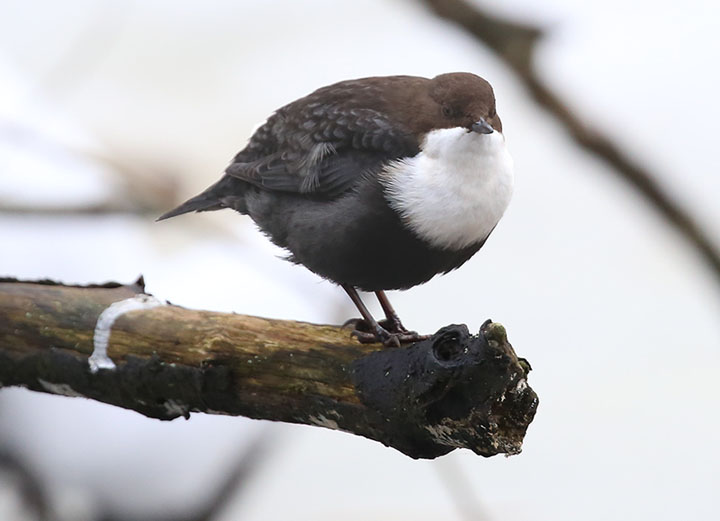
(389, 333)
(393, 325)
(386, 338)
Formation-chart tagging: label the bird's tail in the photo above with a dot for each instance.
(215, 197)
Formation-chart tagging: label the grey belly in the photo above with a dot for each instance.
(356, 239)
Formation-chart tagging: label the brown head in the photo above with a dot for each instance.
(465, 100)
(456, 99)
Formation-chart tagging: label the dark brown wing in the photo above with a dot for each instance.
(323, 143)
(319, 145)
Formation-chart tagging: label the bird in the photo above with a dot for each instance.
(375, 184)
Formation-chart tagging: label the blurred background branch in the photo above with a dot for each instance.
(237, 481)
(38, 504)
(29, 486)
(516, 44)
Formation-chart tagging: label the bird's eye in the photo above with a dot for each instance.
(447, 111)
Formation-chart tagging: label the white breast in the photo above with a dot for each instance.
(454, 192)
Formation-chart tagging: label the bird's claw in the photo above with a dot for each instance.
(394, 326)
(388, 337)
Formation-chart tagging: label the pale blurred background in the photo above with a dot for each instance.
(112, 111)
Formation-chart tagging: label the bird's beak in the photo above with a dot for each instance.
(482, 127)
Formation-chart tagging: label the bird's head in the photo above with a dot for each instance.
(452, 100)
(464, 100)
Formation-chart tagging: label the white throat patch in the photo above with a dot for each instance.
(454, 192)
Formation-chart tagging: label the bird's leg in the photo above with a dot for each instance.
(377, 333)
(392, 320)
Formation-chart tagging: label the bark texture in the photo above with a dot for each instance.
(453, 390)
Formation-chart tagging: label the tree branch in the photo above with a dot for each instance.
(515, 44)
(453, 390)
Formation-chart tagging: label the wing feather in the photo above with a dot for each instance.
(322, 148)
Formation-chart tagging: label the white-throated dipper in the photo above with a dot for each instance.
(375, 184)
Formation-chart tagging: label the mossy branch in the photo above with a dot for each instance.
(454, 390)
